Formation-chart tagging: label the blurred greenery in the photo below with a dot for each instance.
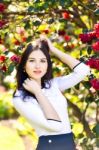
(25, 21)
(10, 140)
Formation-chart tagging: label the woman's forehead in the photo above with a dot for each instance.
(37, 54)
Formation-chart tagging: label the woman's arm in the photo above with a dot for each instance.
(34, 114)
(65, 58)
(32, 86)
(80, 70)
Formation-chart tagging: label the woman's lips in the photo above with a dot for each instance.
(37, 72)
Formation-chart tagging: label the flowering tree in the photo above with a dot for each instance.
(73, 28)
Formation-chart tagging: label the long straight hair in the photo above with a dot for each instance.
(21, 75)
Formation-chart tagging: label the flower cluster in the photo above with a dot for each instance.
(89, 36)
(92, 39)
(2, 23)
(66, 37)
(95, 46)
(2, 7)
(93, 63)
(95, 83)
(15, 59)
(2, 65)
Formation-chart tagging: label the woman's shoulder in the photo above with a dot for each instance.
(18, 93)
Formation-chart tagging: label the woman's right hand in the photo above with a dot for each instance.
(32, 86)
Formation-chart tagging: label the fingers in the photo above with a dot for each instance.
(43, 37)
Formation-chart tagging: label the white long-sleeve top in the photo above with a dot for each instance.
(31, 110)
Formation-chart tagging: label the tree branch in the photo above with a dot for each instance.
(78, 114)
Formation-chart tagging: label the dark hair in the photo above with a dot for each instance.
(21, 75)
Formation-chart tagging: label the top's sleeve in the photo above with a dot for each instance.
(34, 115)
(79, 72)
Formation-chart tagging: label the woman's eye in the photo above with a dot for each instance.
(31, 60)
(43, 61)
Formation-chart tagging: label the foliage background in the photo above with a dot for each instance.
(62, 21)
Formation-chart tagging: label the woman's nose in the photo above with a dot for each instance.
(37, 65)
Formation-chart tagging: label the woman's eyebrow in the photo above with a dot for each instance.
(35, 58)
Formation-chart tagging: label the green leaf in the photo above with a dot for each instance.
(50, 21)
(89, 50)
(96, 129)
(77, 86)
(62, 20)
(96, 12)
(11, 68)
(29, 38)
(97, 142)
(89, 99)
(86, 84)
(37, 23)
(27, 25)
(66, 3)
(30, 9)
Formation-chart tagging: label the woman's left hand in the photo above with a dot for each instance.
(44, 37)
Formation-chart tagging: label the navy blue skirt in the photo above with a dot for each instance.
(56, 142)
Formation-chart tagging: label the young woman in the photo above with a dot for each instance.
(39, 96)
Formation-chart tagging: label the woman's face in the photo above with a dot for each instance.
(36, 65)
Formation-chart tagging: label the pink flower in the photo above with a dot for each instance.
(15, 58)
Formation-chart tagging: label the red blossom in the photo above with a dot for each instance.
(46, 31)
(4, 68)
(92, 35)
(95, 83)
(66, 15)
(85, 37)
(67, 38)
(2, 58)
(96, 28)
(16, 42)
(15, 58)
(93, 63)
(2, 7)
(61, 32)
(95, 46)
(72, 46)
(24, 39)
(1, 41)
(2, 23)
